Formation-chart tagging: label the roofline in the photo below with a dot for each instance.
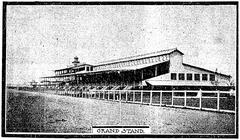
(132, 57)
(229, 76)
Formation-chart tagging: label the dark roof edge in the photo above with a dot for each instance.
(108, 63)
(229, 76)
(178, 51)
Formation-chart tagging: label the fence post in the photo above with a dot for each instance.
(120, 96)
(160, 98)
(126, 96)
(108, 95)
(172, 98)
(114, 95)
(218, 100)
(200, 99)
(185, 98)
(103, 95)
(150, 97)
(141, 96)
(133, 96)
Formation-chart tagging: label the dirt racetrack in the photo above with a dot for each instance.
(38, 112)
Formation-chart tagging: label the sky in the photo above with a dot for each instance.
(43, 38)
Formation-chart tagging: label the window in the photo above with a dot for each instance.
(181, 76)
(212, 77)
(152, 60)
(189, 76)
(197, 77)
(173, 76)
(204, 77)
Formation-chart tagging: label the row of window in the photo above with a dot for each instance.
(74, 70)
(134, 62)
(190, 76)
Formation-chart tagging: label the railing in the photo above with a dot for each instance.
(220, 101)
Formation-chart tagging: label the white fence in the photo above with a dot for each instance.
(220, 101)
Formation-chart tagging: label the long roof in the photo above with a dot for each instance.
(157, 53)
(206, 70)
(129, 68)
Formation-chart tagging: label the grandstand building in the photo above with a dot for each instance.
(158, 70)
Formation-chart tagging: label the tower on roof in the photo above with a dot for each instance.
(75, 62)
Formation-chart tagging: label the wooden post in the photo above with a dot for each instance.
(141, 96)
(156, 70)
(114, 95)
(120, 94)
(160, 98)
(185, 98)
(151, 97)
(133, 96)
(108, 95)
(172, 98)
(218, 100)
(126, 96)
(200, 99)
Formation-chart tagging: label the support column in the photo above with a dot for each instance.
(120, 94)
(141, 96)
(141, 74)
(126, 96)
(108, 95)
(218, 100)
(104, 95)
(200, 99)
(114, 95)
(134, 78)
(151, 97)
(172, 98)
(160, 98)
(156, 69)
(185, 98)
(133, 96)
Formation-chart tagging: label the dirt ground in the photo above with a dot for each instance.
(38, 112)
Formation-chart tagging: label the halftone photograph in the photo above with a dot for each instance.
(120, 69)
